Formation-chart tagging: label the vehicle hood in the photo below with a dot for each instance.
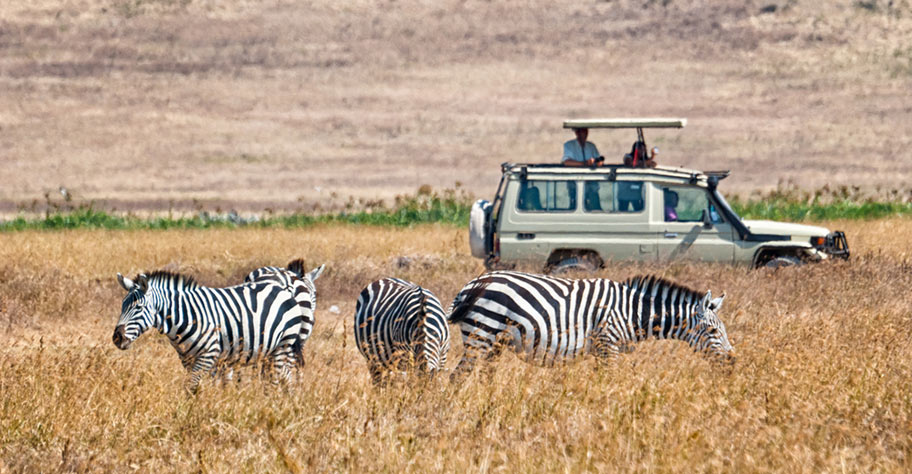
(784, 228)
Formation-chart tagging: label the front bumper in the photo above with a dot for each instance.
(836, 245)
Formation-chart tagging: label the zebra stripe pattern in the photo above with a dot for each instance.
(547, 319)
(399, 324)
(300, 283)
(213, 325)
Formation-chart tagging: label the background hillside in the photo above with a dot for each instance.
(146, 104)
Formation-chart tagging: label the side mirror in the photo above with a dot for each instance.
(707, 221)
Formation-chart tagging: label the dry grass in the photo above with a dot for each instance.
(275, 104)
(821, 383)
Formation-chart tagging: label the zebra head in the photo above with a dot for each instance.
(709, 336)
(432, 335)
(137, 313)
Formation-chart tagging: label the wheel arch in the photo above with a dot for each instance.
(562, 254)
(769, 252)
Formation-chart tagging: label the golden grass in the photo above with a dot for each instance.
(821, 383)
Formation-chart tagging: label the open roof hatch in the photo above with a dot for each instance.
(626, 123)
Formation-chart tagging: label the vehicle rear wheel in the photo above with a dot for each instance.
(783, 261)
(575, 264)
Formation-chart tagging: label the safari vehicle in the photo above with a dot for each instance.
(579, 217)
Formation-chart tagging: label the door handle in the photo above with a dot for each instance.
(525, 236)
(670, 235)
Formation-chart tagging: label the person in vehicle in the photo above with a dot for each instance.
(579, 152)
(630, 196)
(529, 198)
(638, 158)
(591, 199)
(671, 205)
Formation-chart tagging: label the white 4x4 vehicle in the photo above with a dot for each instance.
(563, 217)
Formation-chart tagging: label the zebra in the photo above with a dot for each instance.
(399, 324)
(213, 325)
(548, 319)
(300, 283)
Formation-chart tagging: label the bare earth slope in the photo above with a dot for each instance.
(148, 104)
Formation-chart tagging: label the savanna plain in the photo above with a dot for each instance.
(303, 107)
(821, 383)
(160, 104)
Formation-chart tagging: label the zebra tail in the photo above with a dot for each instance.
(461, 309)
(297, 348)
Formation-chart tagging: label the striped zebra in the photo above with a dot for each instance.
(300, 283)
(399, 324)
(548, 319)
(207, 326)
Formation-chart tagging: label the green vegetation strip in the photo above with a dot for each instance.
(414, 210)
(426, 209)
(801, 211)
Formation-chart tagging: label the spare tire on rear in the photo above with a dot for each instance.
(478, 235)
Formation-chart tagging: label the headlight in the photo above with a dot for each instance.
(818, 241)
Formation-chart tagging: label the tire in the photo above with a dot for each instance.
(783, 261)
(478, 220)
(575, 264)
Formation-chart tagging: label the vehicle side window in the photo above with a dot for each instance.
(546, 196)
(687, 203)
(613, 196)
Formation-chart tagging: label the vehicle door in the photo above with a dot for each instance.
(692, 228)
(538, 214)
(614, 220)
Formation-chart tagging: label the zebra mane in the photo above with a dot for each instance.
(176, 280)
(646, 284)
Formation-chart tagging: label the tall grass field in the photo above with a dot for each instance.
(821, 383)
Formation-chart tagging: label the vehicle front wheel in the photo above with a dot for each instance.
(783, 261)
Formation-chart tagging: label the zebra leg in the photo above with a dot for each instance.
(376, 372)
(282, 362)
(606, 348)
(475, 347)
(224, 373)
(203, 364)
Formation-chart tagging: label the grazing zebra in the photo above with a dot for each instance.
(300, 283)
(213, 325)
(547, 318)
(399, 324)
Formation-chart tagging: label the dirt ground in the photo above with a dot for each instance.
(157, 104)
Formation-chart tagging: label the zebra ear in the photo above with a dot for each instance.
(126, 283)
(316, 272)
(716, 304)
(143, 281)
(707, 301)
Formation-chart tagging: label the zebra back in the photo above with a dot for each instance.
(398, 322)
(299, 283)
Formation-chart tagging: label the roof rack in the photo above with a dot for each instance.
(691, 175)
(626, 123)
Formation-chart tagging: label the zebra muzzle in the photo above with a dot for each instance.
(120, 338)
